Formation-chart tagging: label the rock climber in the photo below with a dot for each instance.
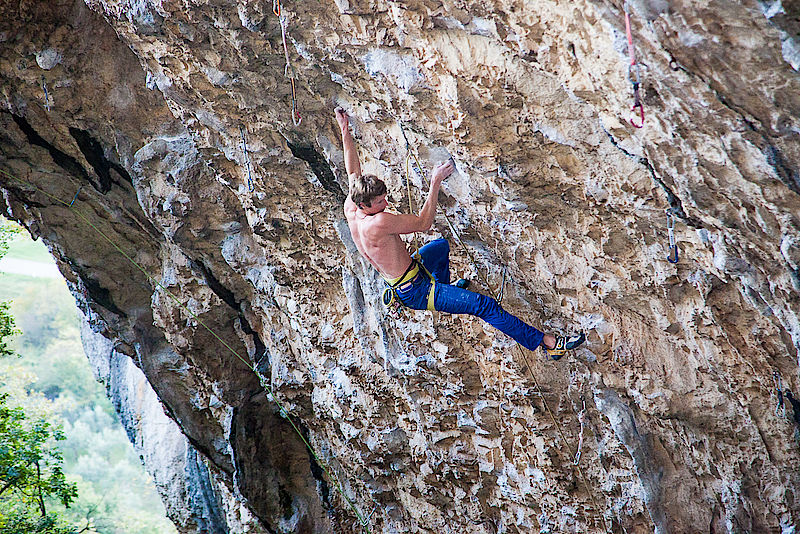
(422, 280)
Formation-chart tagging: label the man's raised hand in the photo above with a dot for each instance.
(342, 119)
(443, 170)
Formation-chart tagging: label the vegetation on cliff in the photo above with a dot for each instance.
(51, 400)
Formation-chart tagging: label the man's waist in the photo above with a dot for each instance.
(411, 272)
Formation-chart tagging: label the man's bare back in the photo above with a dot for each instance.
(376, 232)
(386, 252)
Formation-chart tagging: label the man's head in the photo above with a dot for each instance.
(369, 193)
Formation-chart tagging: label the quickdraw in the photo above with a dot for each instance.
(246, 159)
(46, 95)
(581, 417)
(673, 247)
(781, 406)
(391, 302)
(633, 76)
(288, 70)
(502, 291)
(76, 196)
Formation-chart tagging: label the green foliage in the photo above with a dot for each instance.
(30, 471)
(31, 465)
(51, 379)
(8, 231)
(17, 519)
(7, 330)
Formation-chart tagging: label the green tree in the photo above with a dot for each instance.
(52, 380)
(7, 327)
(31, 473)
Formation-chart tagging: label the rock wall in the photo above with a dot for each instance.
(181, 476)
(132, 131)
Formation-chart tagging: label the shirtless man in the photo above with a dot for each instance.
(422, 280)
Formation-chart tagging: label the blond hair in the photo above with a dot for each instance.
(366, 188)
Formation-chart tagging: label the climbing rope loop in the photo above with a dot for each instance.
(363, 520)
(637, 118)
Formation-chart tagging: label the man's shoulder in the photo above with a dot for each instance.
(384, 218)
(350, 208)
(378, 224)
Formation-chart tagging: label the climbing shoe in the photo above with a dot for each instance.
(563, 344)
(462, 283)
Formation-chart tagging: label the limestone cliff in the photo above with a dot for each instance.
(152, 145)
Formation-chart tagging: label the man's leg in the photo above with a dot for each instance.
(452, 299)
(436, 258)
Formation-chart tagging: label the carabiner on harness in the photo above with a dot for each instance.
(388, 296)
(673, 247)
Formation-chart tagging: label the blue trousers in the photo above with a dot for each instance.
(435, 257)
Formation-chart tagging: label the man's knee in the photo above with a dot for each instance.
(441, 245)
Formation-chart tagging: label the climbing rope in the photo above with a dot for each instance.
(633, 75)
(288, 70)
(418, 169)
(408, 182)
(246, 159)
(673, 247)
(563, 436)
(363, 520)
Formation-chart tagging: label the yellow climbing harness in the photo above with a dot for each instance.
(390, 297)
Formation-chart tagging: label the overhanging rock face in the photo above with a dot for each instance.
(132, 132)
